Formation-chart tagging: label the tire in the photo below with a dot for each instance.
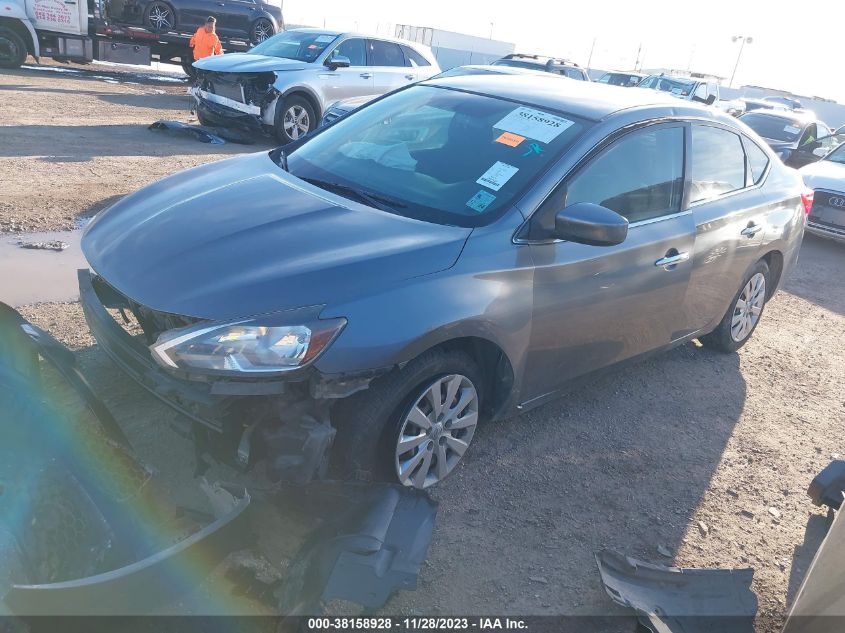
(160, 17)
(203, 120)
(293, 106)
(188, 66)
(738, 324)
(261, 30)
(12, 49)
(370, 423)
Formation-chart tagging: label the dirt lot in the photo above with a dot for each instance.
(705, 455)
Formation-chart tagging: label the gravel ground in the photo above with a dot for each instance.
(704, 456)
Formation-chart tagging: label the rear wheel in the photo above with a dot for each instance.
(295, 117)
(12, 49)
(160, 17)
(413, 425)
(261, 29)
(742, 317)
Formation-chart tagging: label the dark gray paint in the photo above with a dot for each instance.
(241, 237)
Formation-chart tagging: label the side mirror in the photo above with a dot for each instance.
(588, 223)
(338, 61)
(710, 100)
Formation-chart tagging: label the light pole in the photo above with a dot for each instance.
(491, 30)
(745, 40)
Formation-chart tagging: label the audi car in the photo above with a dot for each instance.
(453, 253)
(827, 179)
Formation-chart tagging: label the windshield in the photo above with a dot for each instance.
(774, 127)
(437, 154)
(519, 64)
(303, 46)
(682, 87)
(619, 79)
(837, 155)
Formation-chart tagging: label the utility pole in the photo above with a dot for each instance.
(637, 62)
(745, 40)
(491, 30)
(590, 59)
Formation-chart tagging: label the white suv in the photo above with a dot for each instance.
(285, 83)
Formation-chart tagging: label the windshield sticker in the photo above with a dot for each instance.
(533, 149)
(496, 177)
(480, 201)
(791, 129)
(535, 124)
(676, 91)
(511, 140)
(323, 39)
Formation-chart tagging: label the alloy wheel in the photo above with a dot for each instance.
(436, 431)
(296, 122)
(262, 30)
(161, 18)
(8, 50)
(748, 307)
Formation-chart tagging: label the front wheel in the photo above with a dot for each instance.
(742, 317)
(412, 426)
(12, 49)
(188, 66)
(295, 118)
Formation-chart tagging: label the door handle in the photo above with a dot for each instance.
(366, 75)
(409, 77)
(669, 261)
(751, 230)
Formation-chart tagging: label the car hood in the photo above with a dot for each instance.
(248, 63)
(241, 237)
(824, 174)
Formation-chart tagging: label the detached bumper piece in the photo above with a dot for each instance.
(373, 543)
(83, 528)
(673, 600)
(827, 487)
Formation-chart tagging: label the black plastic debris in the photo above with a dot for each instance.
(674, 600)
(50, 245)
(828, 486)
(202, 133)
(373, 543)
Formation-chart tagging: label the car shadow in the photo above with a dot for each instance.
(815, 532)
(819, 276)
(155, 101)
(80, 143)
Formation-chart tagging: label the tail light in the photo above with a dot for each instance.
(807, 198)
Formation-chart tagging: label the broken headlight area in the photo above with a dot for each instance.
(248, 93)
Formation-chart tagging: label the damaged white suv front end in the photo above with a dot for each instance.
(284, 84)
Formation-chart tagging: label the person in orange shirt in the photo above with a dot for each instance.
(205, 41)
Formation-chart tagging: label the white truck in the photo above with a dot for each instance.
(81, 31)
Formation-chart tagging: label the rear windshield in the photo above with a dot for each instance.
(301, 46)
(437, 154)
(776, 128)
(681, 87)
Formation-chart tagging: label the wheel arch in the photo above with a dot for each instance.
(309, 95)
(774, 260)
(24, 29)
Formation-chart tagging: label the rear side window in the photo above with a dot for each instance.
(641, 176)
(573, 73)
(757, 161)
(414, 58)
(718, 163)
(386, 54)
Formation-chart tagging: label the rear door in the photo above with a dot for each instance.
(387, 62)
(235, 17)
(416, 63)
(598, 305)
(345, 83)
(729, 209)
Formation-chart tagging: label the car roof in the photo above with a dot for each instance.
(355, 34)
(589, 100)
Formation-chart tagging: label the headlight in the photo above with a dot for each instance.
(244, 347)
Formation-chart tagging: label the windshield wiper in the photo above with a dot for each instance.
(385, 203)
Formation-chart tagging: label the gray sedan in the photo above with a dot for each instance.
(452, 253)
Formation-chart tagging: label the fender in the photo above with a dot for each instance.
(16, 13)
(311, 94)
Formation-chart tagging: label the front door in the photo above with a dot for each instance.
(345, 83)
(598, 305)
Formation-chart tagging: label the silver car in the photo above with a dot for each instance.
(827, 180)
(285, 83)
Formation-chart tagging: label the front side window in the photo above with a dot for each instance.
(718, 163)
(701, 92)
(436, 154)
(386, 54)
(298, 45)
(809, 135)
(641, 176)
(355, 49)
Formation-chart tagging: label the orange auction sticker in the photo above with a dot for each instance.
(510, 139)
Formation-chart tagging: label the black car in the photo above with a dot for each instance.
(248, 20)
(548, 64)
(615, 78)
(793, 136)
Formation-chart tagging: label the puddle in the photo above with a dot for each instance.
(31, 276)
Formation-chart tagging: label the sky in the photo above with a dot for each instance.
(783, 54)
